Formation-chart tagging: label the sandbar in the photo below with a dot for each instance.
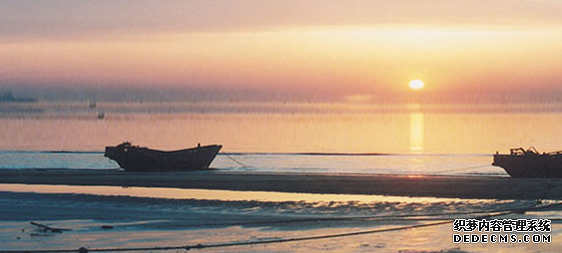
(471, 187)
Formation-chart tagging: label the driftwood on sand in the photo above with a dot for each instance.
(45, 228)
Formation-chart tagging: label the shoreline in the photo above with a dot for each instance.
(469, 187)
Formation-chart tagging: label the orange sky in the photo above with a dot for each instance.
(339, 48)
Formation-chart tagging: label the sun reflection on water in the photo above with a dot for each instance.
(416, 132)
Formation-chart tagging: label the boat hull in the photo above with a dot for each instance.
(132, 158)
(530, 166)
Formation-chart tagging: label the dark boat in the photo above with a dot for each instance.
(8, 97)
(521, 163)
(135, 158)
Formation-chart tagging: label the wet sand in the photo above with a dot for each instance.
(392, 185)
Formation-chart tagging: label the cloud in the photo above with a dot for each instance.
(56, 19)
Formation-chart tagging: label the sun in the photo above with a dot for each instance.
(416, 84)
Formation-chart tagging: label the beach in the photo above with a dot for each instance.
(265, 203)
(376, 184)
(267, 211)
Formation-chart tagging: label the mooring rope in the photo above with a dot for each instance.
(238, 162)
(464, 168)
(243, 165)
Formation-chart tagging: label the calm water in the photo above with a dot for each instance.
(420, 139)
(251, 162)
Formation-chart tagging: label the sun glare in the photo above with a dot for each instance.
(416, 84)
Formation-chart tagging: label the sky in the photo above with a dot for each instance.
(355, 51)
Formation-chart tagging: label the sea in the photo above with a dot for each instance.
(272, 137)
(282, 137)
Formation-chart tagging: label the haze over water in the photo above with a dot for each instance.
(283, 127)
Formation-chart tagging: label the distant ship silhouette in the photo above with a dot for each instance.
(8, 97)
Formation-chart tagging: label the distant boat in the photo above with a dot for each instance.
(521, 163)
(8, 97)
(135, 158)
(101, 115)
